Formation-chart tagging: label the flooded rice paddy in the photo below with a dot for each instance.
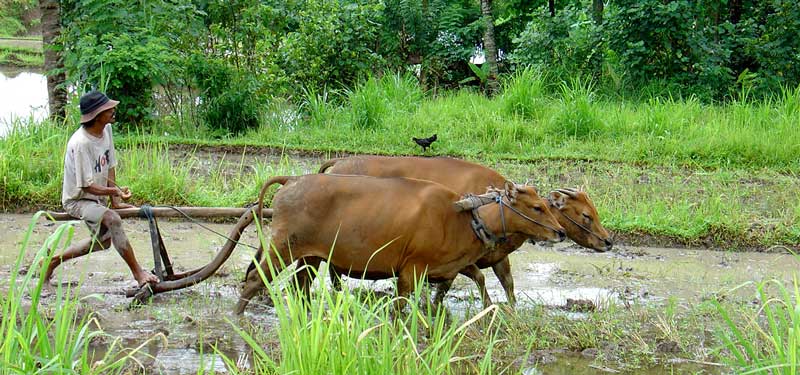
(193, 321)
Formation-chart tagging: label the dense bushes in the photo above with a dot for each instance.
(715, 50)
(238, 55)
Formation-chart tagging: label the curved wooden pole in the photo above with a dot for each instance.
(197, 276)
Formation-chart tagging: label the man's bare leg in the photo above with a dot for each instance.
(112, 221)
(76, 250)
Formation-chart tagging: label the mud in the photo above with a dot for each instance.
(195, 320)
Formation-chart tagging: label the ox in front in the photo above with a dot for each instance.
(389, 227)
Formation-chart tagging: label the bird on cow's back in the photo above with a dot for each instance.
(424, 142)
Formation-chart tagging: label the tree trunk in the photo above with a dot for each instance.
(735, 11)
(551, 4)
(53, 63)
(490, 47)
(597, 11)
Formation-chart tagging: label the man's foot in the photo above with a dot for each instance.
(144, 277)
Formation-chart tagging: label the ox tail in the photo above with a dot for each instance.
(327, 165)
(260, 216)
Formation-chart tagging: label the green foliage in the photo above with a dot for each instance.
(439, 35)
(10, 26)
(356, 333)
(334, 42)
(511, 17)
(524, 93)
(769, 341)
(577, 117)
(377, 98)
(775, 45)
(128, 42)
(14, 16)
(565, 44)
(671, 40)
(229, 99)
(21, 56)
(38, 341)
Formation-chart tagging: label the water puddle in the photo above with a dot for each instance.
(197, 319)
(23, 94)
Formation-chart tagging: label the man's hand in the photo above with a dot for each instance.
(121, 193)
(125, 193)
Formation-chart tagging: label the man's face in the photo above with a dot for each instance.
(107, 116)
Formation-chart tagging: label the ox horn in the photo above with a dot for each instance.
(572, 193)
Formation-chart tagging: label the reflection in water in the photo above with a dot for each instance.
(22, 95)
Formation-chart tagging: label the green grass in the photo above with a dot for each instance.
(721, 174)
(39, 342)
(531, 122)
(21, 56)
(341, 333)
(768, 340)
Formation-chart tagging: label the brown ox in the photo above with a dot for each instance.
(388, 227)
(573, 209)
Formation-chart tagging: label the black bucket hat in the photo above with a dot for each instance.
(94, 102)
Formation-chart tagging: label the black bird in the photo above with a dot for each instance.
(424, 142)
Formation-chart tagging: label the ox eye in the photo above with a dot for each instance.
(537, 209)
(587, 217)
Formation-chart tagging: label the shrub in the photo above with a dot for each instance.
(229, 100)
(568, 43)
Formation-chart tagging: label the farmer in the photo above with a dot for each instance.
(89, 178)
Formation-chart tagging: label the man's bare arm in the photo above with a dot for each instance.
(96, 189)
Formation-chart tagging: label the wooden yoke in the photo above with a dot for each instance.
(170, 212)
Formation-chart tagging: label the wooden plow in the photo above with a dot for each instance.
(169, 280)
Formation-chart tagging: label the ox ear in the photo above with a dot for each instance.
(558, 199)
(511, 190)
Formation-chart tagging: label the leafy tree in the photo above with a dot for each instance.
(125, 48)
(569, 44)
(440, 36)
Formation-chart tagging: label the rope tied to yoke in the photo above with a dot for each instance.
(473, 202)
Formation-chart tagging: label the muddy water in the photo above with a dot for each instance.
(192, 320)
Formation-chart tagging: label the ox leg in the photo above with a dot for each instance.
(306, 276)
(441, 290)
(474, 273)
(336, 278)
(406, 282)
(271, 266)
(502, 270)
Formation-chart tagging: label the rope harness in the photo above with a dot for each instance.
(479, 226)
(159, 250)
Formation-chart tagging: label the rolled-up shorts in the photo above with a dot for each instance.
(91, 212)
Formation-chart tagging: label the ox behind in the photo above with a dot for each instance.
(414, 223)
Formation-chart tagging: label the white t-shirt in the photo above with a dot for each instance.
(87, 161)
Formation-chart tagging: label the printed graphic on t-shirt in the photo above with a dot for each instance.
(101, 162)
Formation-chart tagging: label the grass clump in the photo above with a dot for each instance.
(21, 56)
(768, 341)
(36, 342)
(341, 333)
